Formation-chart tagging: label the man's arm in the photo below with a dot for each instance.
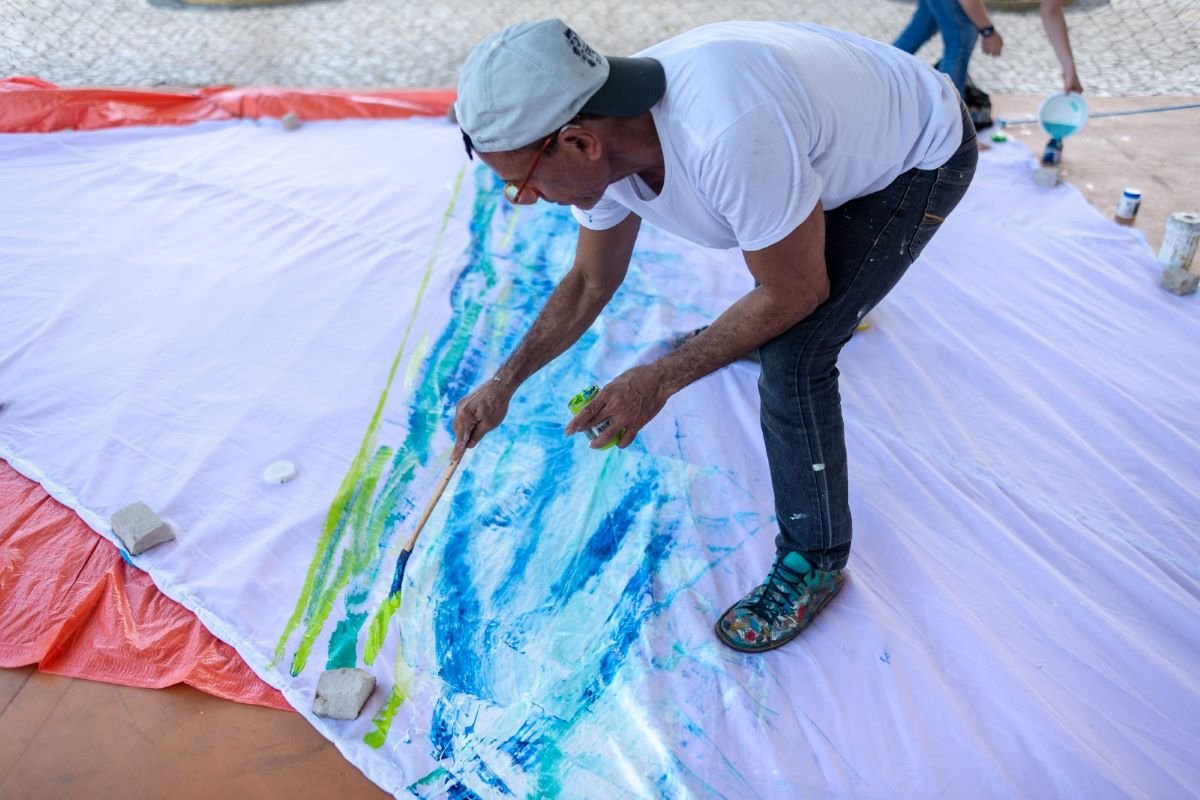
(792, 282)
(601, 262)
(1055, 24)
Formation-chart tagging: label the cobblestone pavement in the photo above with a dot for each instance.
(1123, 47)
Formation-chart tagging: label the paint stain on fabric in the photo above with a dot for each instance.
(420, 352)
(343, 645)
(317, 596)
(382, 721)
(540, 574)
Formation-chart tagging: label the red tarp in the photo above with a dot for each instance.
(68, 602)
(29, 105)
(72, 606)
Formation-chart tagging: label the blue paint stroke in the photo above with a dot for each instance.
(551, 560)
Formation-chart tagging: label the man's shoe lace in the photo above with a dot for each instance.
(779, 591)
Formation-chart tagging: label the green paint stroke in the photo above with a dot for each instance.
(402, 470)
(322, 604)
(352, 482)
(361, 512)
(428, 394)
(384, 718)
(415, 361)
(306, 644)
(379, 628)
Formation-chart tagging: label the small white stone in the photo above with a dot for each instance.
(1046, 177)
(279, 472)
(341, 693)
(139, 528)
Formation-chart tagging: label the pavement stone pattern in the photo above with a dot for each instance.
(1122, 47)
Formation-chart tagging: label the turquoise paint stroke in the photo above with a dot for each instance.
(625, 510)
(343, 644)
(538, 570)
(317, 597)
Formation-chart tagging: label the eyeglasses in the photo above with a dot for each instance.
(514, 193)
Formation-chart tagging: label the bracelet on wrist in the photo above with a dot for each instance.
(987, 31)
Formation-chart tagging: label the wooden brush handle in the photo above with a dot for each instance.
(437, 495)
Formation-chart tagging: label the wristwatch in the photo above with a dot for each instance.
(988, 31)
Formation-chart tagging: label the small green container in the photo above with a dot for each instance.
(579, 402)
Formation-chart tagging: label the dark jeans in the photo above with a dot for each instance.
(958, 36)
(869, 244)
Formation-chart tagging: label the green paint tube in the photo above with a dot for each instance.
(579, 402)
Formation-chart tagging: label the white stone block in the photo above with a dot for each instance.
(1046, 177)
(341, 693)
(139, 528)
(1180, 281)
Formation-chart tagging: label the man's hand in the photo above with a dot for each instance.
(601, 261)
(1071, 81)
(992, 45)
(477, 413)
(629, 402)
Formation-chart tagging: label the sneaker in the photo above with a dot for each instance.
(777, 612)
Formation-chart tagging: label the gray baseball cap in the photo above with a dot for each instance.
(530, 79)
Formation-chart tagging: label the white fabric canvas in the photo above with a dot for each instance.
(182, 306)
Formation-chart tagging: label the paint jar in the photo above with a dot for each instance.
(1180, 240)
(1053, 154)
(1127, 206)
(580, 402)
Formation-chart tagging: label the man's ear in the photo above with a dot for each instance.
(583, 140)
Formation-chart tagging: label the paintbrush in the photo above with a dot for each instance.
(402, 561)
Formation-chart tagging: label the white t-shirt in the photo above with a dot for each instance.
(760, 119)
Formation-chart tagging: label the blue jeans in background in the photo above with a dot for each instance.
(958, 36)
(869, 244)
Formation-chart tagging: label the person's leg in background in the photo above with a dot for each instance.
(958, 36)
(958, 40)
(869, 244)
(920, 29)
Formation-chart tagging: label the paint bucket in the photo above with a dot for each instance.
(1180, 240)
(1053, 153)
(1063, 114)
(1127, 206)
(580, 402)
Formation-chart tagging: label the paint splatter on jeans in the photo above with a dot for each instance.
(869, 244)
